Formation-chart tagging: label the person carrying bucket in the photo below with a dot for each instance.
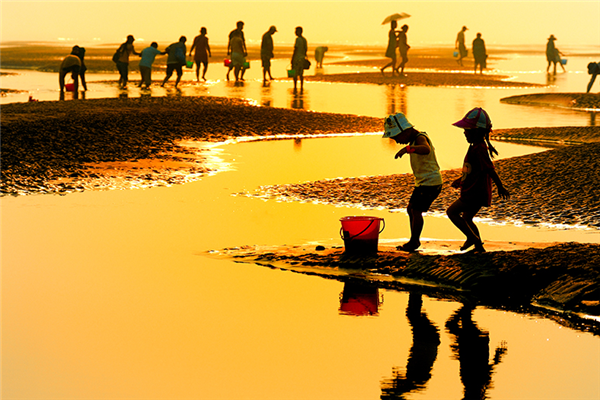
(428, 179)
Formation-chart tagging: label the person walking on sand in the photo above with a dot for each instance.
(558, 56)
(390, 52)
(298, 57)
(239, 30)
(122, 62)
(428, 179)
(70, 64)
(403, 47)
(593, 70)
(479, 54)
(460, 45)
(238, 56)
(175, 60)
(551, 54)
(147, 59)
(477, 175)
(266, 52)
(202, 53)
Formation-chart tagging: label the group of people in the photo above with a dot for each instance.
(475, 184)
(397, 40)
(479, 52)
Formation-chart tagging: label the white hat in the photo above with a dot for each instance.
(396, 124)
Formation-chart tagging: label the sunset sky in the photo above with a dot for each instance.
(337, 22)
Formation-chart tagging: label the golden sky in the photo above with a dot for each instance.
(338, 22)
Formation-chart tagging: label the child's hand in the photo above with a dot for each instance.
(503, 193)
(401, 153)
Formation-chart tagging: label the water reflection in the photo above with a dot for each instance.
(266, 94)
(471, 348)
(297, 99)
(423, 353)
(396, 97)
(360, 299)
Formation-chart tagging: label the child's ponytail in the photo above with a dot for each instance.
(491, 149)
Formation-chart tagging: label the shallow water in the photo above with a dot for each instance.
(110, 294)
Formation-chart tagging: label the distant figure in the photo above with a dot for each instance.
(176, 60)
(238, 56)
(83, 67)
(551, 54)
(593, 70)
(202, 53)
(477, 175)
(70, 64)
(298, 57)
(239, 29)
(472, 349)
(479, 53)
(320, 54)
(266, 52)
(558, 56)
(403, 47)
(125, 51)
(390, 52)
(460, 45)
(148, 55)
(428, 179)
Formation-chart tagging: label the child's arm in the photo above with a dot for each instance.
(502, 192)
(421, 147)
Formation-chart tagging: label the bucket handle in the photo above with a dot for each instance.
(364, 230)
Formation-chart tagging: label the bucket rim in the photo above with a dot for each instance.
(359, 218)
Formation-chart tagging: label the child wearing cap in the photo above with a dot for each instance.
(477, 175)
(428, 179)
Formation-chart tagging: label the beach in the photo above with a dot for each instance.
(70, 146)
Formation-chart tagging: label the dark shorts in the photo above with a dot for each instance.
(174, 67)
(266, 62)
(423, 196)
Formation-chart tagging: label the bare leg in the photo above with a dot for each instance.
(461, 216)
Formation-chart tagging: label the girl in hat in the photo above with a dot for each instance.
(477, 175)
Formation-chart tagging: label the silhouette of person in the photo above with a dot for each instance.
(202, 53)
(298, 57)
(422, 356)
(320, 54)
(238, 56)
(593, 70)
(70, 64)
(83, 68)
(125, 50)
(558, 58)
(460, 45)
(471, 348)
(148, 55)
(238, 30)
(403, 47)
(479, 53)
(266, 52)
(428, 179)
(175, 60)
(551, 55)
(390, 52)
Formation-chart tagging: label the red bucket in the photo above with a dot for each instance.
(70, 87)
(361, 234)
(227, 62)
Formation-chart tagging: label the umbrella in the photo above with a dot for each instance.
(395, 17)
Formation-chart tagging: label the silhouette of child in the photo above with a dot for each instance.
(428, 180)
(477, 175)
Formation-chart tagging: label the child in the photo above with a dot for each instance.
(428, 180)
(477, 175)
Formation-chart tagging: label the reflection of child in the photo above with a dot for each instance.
(428, 180)
(477, 176)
